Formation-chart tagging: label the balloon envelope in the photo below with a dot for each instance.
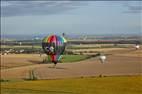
(102, 58)
(54, 47)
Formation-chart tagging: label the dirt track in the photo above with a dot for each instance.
(118, 64)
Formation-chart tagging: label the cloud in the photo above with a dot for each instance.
(133, 7)
(21, 8)
(128, 6)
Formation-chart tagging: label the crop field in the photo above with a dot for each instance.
(14, 60)
(93, 85)
(17, 60)
(119, 75)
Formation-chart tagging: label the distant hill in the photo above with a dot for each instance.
(72, 36)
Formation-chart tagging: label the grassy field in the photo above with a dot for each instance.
(94, 85)
(71, 58)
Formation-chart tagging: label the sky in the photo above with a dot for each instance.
(71, 17)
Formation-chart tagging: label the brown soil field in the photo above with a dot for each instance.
(119, 62)
(16, 60)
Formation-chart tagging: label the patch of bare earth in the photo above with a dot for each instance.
(16, 60)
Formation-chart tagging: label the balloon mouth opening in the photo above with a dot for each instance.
(55, 62)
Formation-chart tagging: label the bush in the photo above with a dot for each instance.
(2, 80)
(32, 75)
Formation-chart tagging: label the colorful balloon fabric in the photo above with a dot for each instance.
(54, 47)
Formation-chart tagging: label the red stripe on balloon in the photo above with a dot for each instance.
(51, 38)
(54, 39)
(53, 58)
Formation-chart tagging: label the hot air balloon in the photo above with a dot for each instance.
(54, 47)
(137, 46)
(102, 58)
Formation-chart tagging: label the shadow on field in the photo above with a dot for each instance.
(41, 62)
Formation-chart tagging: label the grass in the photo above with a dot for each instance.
(72, 58)
(96, 85)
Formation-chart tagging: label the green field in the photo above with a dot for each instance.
(71, 58)
(94, 85)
